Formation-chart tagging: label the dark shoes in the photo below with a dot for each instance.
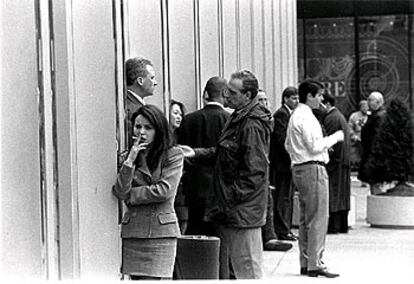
(288, 237)
(303, 271)
(275, 245)
(320, 272)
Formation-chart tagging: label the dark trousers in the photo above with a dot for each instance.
(196, 224)
(268, 230)
(283, 203)
(338, 222)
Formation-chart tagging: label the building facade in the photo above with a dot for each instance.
(62, 106)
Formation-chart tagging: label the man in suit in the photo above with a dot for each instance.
(269, 238)
(202, 128)
(280, 172)
(338, 168)
(140, 80)
(368, 135)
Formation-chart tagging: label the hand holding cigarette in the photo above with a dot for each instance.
(136, 148)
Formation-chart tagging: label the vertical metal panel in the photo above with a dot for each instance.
(246, 28)
(197, 59)
(47, 138)
(230, 47)
(165, 50)
(284, 45)
(257, 41)
(220, 37)
(145, 39)
(94, 88)
(209, 40)
(66, 140)
(268, 54)
(20, 171)
(182, 52)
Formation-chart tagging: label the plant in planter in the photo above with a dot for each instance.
(392, 158)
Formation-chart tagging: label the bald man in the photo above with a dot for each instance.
(368, 135)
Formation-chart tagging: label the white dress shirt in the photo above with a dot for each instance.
(304, 139)
(137, 97)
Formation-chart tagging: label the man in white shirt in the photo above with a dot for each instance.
(308, 151)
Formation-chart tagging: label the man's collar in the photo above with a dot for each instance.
(215, 104)
(137, 97)
(331, 109)
(288, 108)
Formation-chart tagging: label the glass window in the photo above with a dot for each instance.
(330, 57)
(384, 56)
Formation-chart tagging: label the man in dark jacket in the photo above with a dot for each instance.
(238, 206)
(368, 135)
(202, 128)
(338, 168)
(280, 173)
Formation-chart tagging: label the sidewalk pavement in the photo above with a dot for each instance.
(364, 255)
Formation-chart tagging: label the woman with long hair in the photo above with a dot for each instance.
(177, 111)
(147, 182)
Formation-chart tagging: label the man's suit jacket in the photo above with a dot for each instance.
(131, 106)
(278, 156)
(201, 129)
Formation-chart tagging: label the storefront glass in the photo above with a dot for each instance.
(353, 61)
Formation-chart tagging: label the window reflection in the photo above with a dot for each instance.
(332, 51)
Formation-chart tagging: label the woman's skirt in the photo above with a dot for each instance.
(149, 257)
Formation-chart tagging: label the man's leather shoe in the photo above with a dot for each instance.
(288, 237)
(275, 245)
(322, 272)
(303, 271)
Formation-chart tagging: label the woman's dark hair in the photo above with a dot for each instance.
(162, 139)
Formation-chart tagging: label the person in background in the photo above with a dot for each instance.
(202, 128)
(308, 151)
(147, 182)
(263, 99)
(368, 135)
(356, 121)
(280, 172)
(177, 111)
(338, 168)
(269, 237)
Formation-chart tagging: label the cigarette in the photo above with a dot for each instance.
(134, 138)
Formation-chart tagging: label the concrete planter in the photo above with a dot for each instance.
(390, 211)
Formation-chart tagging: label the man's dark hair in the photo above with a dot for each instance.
(328, 98)
(214, 86)
(288, 92)
(136, 67)
(249, 80)
(308, 86)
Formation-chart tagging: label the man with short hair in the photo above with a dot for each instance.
(140, 80)
(262, 98)
(238, 205)
(269, 237)
(280, 172)
(368, 135)
(338, 168)
(308, 151)
(202, 128)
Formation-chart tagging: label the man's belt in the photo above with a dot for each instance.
(310, 163)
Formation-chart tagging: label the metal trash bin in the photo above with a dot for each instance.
(197, 257)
